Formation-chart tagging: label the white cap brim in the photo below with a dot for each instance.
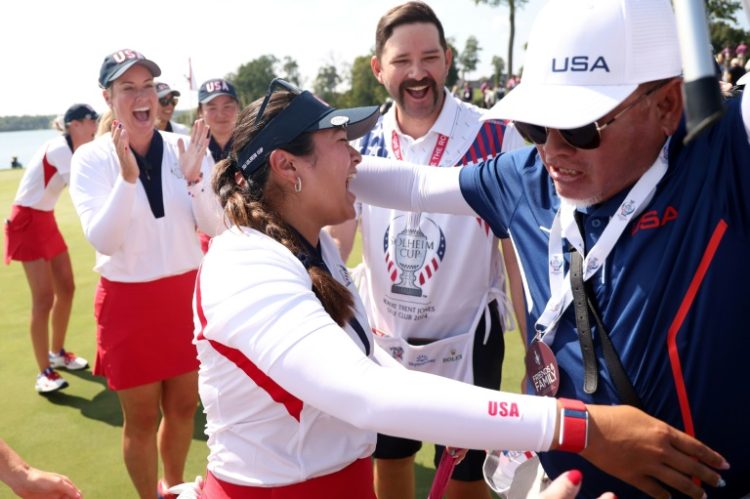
(744, 80)
(558, 106)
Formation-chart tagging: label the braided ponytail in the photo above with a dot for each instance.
(245, 203)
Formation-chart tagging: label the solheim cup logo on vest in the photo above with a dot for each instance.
(626, 209)
(556, 263)
(414, 246)
(593, 264)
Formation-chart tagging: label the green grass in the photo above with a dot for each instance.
(77, 431)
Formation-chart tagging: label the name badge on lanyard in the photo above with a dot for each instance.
(541, 365)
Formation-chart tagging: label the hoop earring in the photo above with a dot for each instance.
(298, 185)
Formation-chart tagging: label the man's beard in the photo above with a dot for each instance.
(431, 83)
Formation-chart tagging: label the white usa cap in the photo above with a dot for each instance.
(584, 57)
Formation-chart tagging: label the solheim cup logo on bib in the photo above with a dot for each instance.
(414, 246)
(397, 353)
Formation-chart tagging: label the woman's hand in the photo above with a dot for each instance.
(648, 453)
(566, 486)
(192, 157)
(128, 165)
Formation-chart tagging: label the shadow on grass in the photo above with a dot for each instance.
(423, 478)
(105, 406)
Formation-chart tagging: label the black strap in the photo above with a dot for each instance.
(585, 338)
(583, 298)
(620, 378)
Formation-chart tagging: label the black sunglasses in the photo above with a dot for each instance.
(165, 101)
(585, 137)
(272, 87)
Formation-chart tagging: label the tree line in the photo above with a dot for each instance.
(25, 122)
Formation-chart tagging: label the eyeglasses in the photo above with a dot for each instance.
(165, 101)
(585, 137)
(276, 82)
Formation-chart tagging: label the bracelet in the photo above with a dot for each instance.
(574, 426)
(197, 181)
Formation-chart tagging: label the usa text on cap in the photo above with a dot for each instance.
(585, 57)
(214, 88)
(117, 63)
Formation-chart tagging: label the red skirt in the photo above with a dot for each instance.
(353, 481)
(32, 235)
(144, 330)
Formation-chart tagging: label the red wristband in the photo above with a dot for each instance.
(574, 426)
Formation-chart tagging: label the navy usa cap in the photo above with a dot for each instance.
(80, 112)
(117, 63)
(214, 88)
(163, 90)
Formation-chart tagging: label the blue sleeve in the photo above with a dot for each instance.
(494, 188)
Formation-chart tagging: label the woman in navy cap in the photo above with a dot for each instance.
(218, 105)
(168, 99)
(140, 193)
(33, 238)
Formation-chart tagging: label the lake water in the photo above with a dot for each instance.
(22, 144)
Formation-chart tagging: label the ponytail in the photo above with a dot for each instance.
(245, 205)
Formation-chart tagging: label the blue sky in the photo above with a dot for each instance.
(52, 50)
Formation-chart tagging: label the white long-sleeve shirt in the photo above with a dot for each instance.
(131, 244)
(289, 395)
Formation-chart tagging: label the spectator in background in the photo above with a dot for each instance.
(467, 93)
(140, 193)
(33, 238)
(168, 100)
(490, 96)
(741, 52)
(735, 71)
(14, 163)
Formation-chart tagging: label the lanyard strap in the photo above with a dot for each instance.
(437, 151)
(564, 224)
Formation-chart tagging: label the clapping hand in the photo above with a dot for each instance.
(128, 165)
(192, 156)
